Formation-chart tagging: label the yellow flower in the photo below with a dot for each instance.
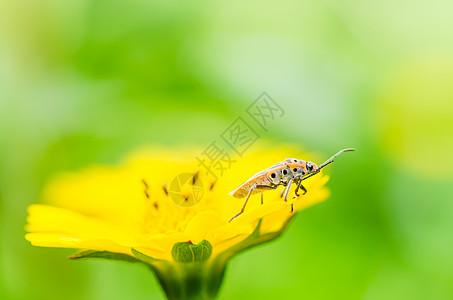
(135, 211)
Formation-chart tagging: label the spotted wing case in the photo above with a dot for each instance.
(245, 187)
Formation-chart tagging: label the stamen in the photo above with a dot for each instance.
(144, 183)
(195, 177)
(164, 187)
(212, 185)
(146, 188)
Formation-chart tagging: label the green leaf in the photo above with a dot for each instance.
(143, 257)
(254, 239)
(86, 254)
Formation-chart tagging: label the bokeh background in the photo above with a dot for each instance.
(86, 81)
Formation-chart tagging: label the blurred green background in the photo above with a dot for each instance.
(86, 81)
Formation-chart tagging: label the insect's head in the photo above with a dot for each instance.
(275, 176)
(311, 167)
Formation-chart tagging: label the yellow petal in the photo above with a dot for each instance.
(203, 223)
(59, 240)
(129, 206)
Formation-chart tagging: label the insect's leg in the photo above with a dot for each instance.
(243, 206)
(297, 188)
(292, 207)
(299, 185)
(265, 187)
(261, 187)
(288, 188)
(303, 189)
(283, 191)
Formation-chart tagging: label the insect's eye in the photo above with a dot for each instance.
(310, 167)
(284, 172)
(295, 170)
(273, 175)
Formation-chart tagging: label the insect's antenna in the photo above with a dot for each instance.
(329, 161)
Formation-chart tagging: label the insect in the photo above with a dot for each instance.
(286, 173)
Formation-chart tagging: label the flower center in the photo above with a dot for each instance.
(171, 206)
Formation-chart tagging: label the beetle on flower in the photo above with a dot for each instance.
(284, 173)
(126, 213)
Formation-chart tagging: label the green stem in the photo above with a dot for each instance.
(192, 273)
(202, 279)
(187, 281)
